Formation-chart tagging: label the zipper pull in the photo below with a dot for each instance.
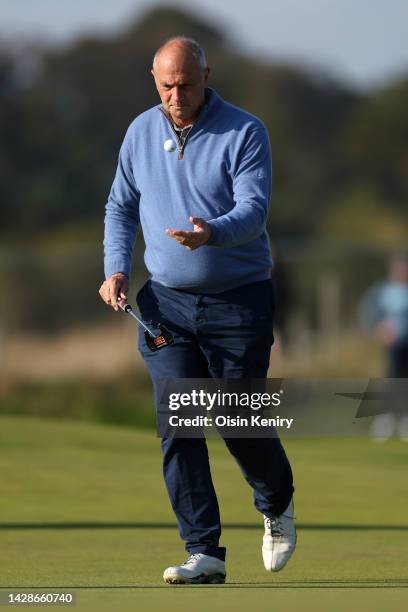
(180, 155)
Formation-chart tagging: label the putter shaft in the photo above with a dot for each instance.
(132, 314)
(154, 342)
(127, 308)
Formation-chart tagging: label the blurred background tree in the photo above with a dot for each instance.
(61, 131)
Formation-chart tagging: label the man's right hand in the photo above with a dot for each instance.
(116, 286)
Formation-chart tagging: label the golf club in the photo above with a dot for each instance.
(154, 342)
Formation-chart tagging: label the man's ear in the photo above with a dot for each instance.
(206, 74)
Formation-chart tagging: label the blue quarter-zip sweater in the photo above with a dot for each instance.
(223, 174)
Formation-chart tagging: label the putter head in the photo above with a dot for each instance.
(155, 343)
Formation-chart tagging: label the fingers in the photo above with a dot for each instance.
(115, 287)
(181, 234)
(203, 228)
(197, 221)
(113, 294)
(190, 240)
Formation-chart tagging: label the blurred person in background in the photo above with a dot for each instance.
(196, 160)
(384, 313)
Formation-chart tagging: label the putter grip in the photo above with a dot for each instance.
(126, 307)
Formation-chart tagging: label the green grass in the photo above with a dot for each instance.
(83, 399)
(89, 480)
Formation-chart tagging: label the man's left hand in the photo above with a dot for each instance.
(200, 235)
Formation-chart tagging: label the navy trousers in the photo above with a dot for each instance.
(223, 335)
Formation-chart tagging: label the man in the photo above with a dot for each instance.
(384, 313)
(197, 160)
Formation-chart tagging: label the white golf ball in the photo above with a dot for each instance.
(169, 146)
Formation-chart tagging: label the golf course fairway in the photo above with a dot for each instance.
(84, 509)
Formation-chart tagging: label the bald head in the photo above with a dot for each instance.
(180, 72)
(181, 46)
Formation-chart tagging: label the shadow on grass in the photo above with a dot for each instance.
(390, 583)
(255, 526)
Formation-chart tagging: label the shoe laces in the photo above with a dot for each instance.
(191, 559)
(276, 525)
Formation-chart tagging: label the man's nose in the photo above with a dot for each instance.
(177, 95)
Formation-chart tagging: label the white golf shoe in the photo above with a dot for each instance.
(198, 569)
(279, 541)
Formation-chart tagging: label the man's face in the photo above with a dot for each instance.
(180, 84)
